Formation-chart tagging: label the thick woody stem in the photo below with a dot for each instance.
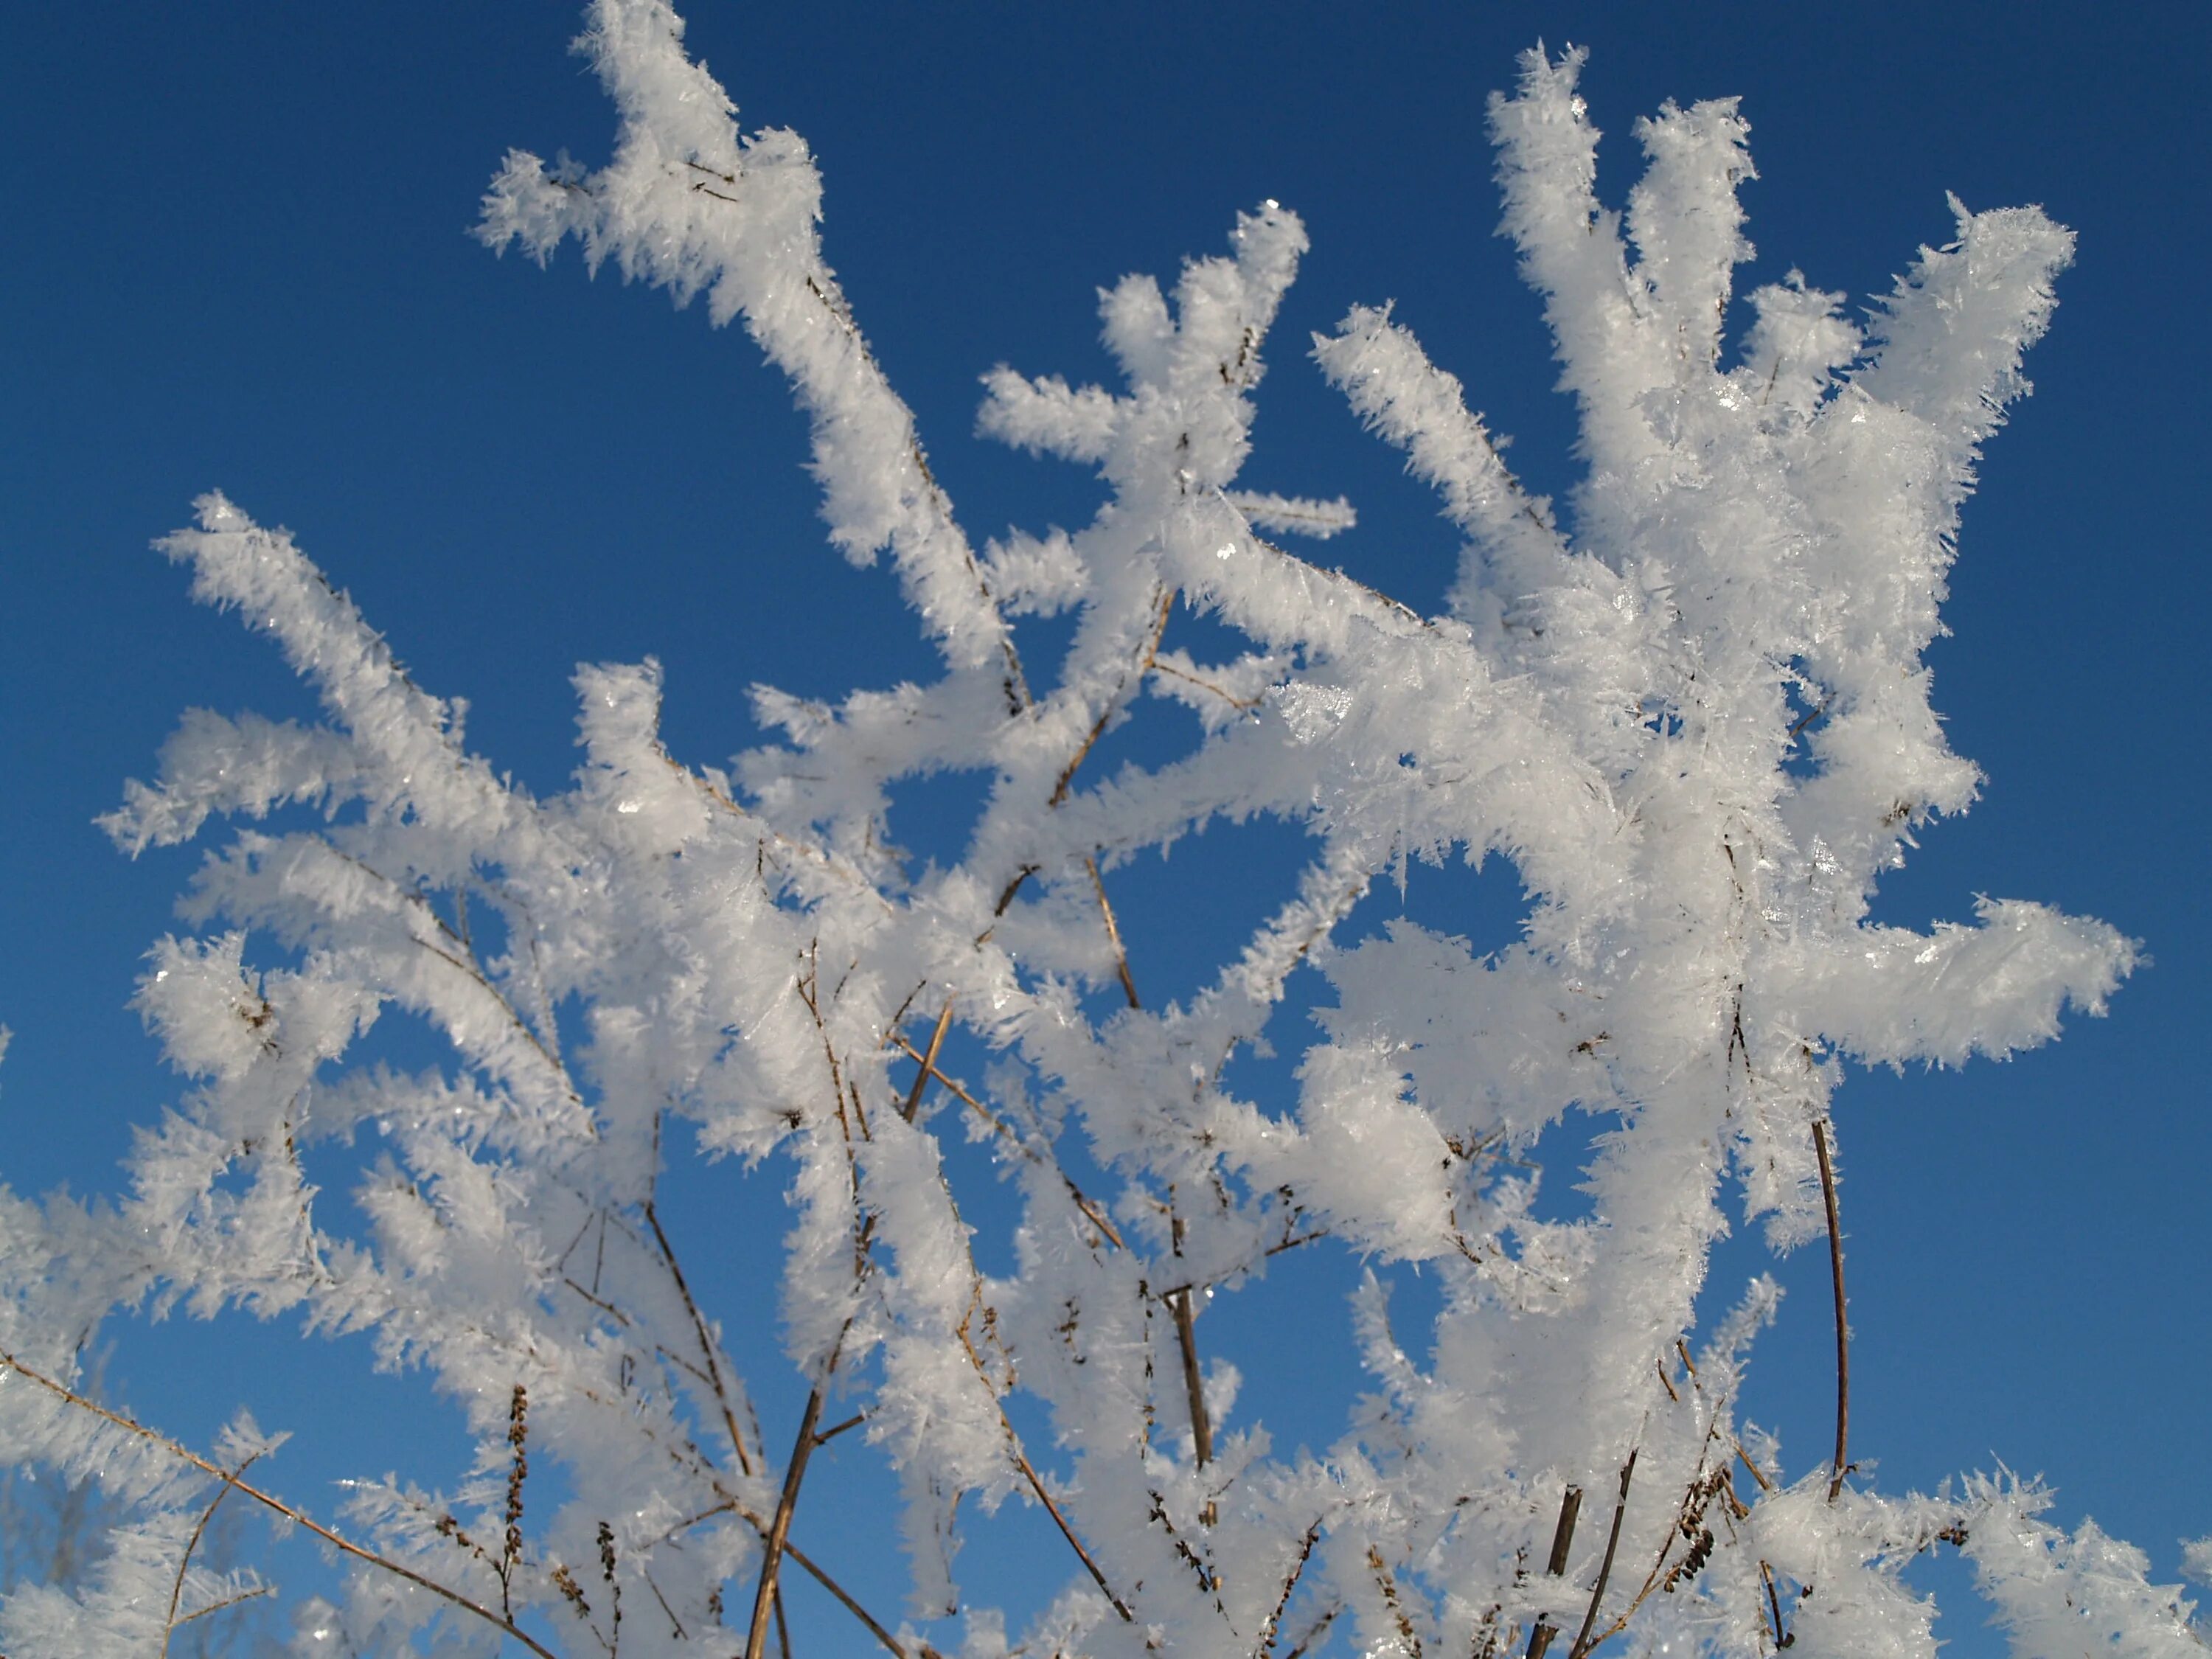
(1843, 1328)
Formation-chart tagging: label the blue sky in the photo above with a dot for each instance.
(237, 258)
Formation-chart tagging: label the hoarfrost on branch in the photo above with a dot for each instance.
(1697, 725)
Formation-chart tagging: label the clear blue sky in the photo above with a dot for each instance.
(236, 257)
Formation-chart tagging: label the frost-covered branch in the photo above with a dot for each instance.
(1686, 704)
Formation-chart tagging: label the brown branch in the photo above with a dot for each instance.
(254, 1595)
(1774, 1601)
(1201, 1427)
(1292, 1243)
(1409, 1639)
(1757, 1473)
(699, 1326)
(837, 1429)
(1314, 1631)
(1067, 772)
(1562, 1540)
(270, 1501)
(1298, 1571)
(1604, 1568)
(792, 1553)
(807, 1565)
(928, 1064)
(177, 1589)
(1037, 1486)
(1113, 933)
(1105, 716)
(779, 1528)
(1193, 1384)
(1843, 1328)
(1236, 702)
(1091, 1212)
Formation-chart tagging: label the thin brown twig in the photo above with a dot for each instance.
(1201, 1426)
(177, 1589)
(1067, 772)
(254, 1595)
(928, 1064)
(1562, 1540)
(1604, 1568)
(837, 1429)
(1091, 1212)
(1234, 702)
(1843, 1328)
(807, 1565)
(773, 1546)
(1193, 1384)
(792, 1553)
(1314, 1631)
(1757, 1473)
(1037, 1486)
(706, 1341)
(270, 1501)
(1059, 788)
(1113, 933)
(1782, 1639)
(1290, 1584)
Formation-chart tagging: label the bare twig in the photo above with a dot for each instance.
(1757, 1473)
(1782, 1639)
(698, 1322)
(1112, 933)
(1409, 1639)
(1037, 1486)
(928, 1064)
(1059, 789)
(1562, 1540)
(254, 1595)
(1290, 1584)
(518, 1440)
(792, 1553)
(1201, 1427)
(837, 1429)
(177, 1589)
(1843, 1328)
(1097, 1216)
(778, 1529)
(1604, 1568)
(1314, 1631)
(270, 1501)
(1233, 701)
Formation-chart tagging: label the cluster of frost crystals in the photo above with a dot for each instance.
(1698, 726)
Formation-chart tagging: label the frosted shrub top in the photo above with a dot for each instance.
(1698, 725)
